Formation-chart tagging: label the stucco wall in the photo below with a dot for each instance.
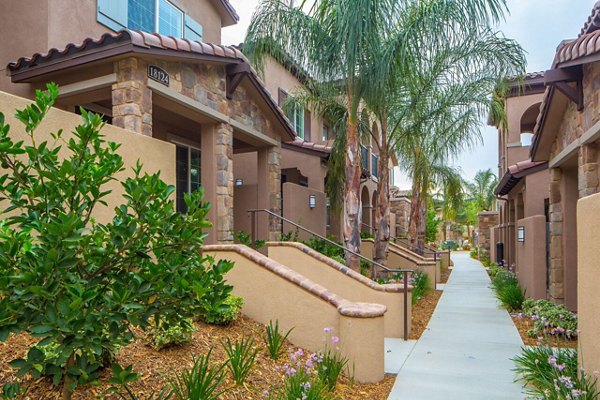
(588, 297)
(536, 191)
(348, 284)
(310, 166)
(296, 209)
(531, 256)
(274, 292)
(156, 155)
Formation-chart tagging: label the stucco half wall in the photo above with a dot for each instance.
(588, 293)
(398, 258)
(345, 282)
(273, 292)
(531, 256)
(154, 154)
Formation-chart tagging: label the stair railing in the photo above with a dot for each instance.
(422, 251)
(374, 264)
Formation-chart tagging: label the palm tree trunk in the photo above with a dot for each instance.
(422, 221)
(382, 213)
(352, 206)
(414, 214)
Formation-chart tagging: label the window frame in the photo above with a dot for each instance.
(157, 17)
(182, 142)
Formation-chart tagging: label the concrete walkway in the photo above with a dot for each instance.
(465, 352)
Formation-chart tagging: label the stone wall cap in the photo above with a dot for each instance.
(489, 213)
(344, 307)
(406, 253)
(341, 267)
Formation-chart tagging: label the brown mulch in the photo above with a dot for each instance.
(524, 324)
(445, 275)
(422, 312)
(155, 367)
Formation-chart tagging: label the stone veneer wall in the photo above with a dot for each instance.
(486, 222)
(224, 155)
(556, 237)
(131, 98)
(274, 181)
(401, 208)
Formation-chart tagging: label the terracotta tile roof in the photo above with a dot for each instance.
(126, 41)
(300, 143)
(593, 22)
(517, 172)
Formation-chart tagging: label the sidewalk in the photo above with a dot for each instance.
(465, 352)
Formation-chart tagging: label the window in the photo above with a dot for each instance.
(325, 135)
(328, 214)
(296, 117)
(374, 165)
(170, 19)
(364, 157)
(188, 173)
(160, 16)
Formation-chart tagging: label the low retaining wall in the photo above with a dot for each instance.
(273, 291)
(401, 258)
(588, 273)
(345, 282)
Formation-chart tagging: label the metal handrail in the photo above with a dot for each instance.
(404, 272)
(416, 249)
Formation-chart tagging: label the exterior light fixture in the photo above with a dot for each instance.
(521, 234)
(312, 201)
(239, 182)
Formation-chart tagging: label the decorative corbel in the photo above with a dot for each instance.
(560, 78)
(235, 74)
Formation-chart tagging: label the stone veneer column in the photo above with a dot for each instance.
(269, 191)
(486, 220)
(131, 98)
(224, 185)
(557, 293)
(588, 170)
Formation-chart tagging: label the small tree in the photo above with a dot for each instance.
(79, 285)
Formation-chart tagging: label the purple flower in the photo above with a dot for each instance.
(327, 330)
(335, 339)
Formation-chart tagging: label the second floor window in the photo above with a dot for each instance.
(374, 165)
(364, 157)
(296, 117)
(160, 16)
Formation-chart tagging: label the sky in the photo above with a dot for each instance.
(538, 25)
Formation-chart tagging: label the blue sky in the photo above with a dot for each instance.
(538, 25)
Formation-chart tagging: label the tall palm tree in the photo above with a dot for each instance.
(331, 42)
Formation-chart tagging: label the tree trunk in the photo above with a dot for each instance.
(422, 221)
(352, 206)
(67, 393)
(382, 213)
(414, 214)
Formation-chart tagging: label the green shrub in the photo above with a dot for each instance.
(420, 283)
(340, 259)
(241, 356)
(274, 339)
(367, 235)
(201, 382)
(166, 335)
(300, 383)
(325, 247)
(474, 253)
(245, 239)
(121, 379)
(550, 319)
(552, 374)
(508, 290)
(226, 313)
(67, 278)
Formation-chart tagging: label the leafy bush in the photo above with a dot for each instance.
(449, 245)
(325, 247)
(300, 383)
(291, 236)
(213, 301)
(246, 239)
(66, 278)
(225, 314)
(508, 290)
(420, 283)
(550, 319)
(474, 253)
(166, 335)
(121, 379)
(274, 339)
(340, 259)
(241, 356)
(552, 374)
(367, 235)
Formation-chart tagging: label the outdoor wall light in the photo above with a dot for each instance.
(312, 201)
(239, 182)
(521, 234)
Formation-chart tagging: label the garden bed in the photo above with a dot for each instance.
(156, 367)
(422, 312)
(524, 324)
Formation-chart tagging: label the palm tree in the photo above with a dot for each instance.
(331, 42)
(481, 190)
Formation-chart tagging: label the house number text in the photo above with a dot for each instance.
(158, 74)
